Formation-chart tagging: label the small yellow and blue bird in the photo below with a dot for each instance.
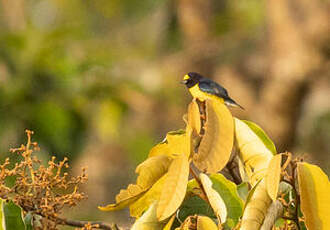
(203, 88)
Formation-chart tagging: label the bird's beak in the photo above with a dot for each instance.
(184, 82)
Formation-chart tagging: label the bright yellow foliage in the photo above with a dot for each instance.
(216, 202)
(194, 119)
(314, 190)
(253, 152)
(169, 223)
(205, 223)
(256, 208)
(148, 221)
(125, 198)
(217, 142)
(174, 189)
(273, 176)
(151, 170)
(175, 143)
(152, 195)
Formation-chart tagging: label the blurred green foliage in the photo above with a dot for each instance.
(71, 61)
(55, 68)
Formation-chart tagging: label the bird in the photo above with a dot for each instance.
(204, 88)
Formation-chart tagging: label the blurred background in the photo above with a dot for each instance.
(98, 81)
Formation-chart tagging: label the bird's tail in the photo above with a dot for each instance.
(231, 102)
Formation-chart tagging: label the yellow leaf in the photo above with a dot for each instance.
(175, 143)
(193, 127)
(152, 195)
(314, 191)
(194, 119)
(256, 208)
(174, 189)
(253, 152)
(273, 176)
(148, 221)
(125, 198)
(151, 170)
(217, 142)
(189, 223)
(216, 202)
(169, 223)
(205, 223)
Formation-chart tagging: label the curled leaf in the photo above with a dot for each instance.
(262, 136)
(193, 125)
(217, 142)
(273, 176)
(216, 201)
(256, 207)
(125, 198)
(152, 195)
(228, 192)
(314, 188)
(174, 189)
(151, 170)
(253, 151)
(194, 119)
(175, 143)
(148, 221)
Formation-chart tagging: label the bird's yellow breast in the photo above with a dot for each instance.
(202, 96)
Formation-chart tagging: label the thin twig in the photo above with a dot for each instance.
(288, 160)
(204, 196)
(76, 223)
(81, 224)
(293, 176)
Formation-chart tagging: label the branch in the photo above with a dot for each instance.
(274, 211)
(203, 195)
(81, 224)
(76, 223)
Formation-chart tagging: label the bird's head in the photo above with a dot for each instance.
(191, 79)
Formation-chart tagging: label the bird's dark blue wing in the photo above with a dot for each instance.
(212, 87)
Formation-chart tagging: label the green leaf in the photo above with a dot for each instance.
(1, 214)
(13, 216)
(194, 205)
(192, 185)
(229, 194)
(243, 190)
(262, 135)
(280, 222)
(28, 221)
